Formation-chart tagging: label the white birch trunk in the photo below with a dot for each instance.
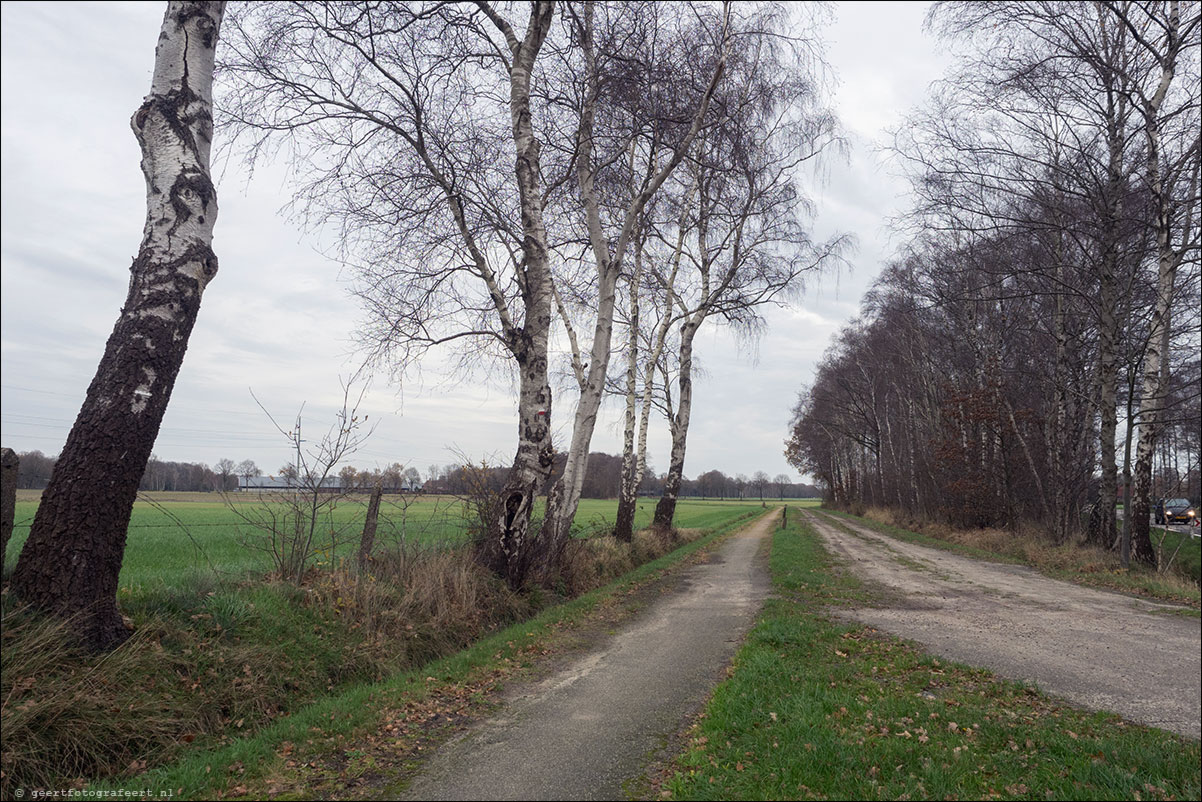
(1153, 396)
(665, 510)
(624, 528)
(507, 549)
(71, 561)
(565, 499)
(628, 487)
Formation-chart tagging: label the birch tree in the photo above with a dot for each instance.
(1169, 118)
(1040, 136)
(747, 245)
(71, 561)
(645, 351)
(640, 114)
(1014, 139)
(411, 131)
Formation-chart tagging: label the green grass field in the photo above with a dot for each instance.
(174, 536)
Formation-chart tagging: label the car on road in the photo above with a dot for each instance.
(1175, 510)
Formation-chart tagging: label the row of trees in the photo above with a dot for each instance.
(715, 484)
(603, 477)
(489, 170)
(160, 475)
(1049, 287)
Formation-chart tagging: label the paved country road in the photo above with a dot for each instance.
(583, 732)
(1097, 649)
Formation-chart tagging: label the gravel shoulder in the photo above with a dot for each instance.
(1099, 650)
(594, 724)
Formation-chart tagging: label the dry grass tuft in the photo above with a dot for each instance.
(66, 714)
(591, 563)
(425, 603)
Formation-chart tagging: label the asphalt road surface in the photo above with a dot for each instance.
(1097, 649)
(589, 728)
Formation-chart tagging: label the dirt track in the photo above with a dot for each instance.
(1099, 650)
(591, 726)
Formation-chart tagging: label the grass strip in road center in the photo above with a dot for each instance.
(818, 709)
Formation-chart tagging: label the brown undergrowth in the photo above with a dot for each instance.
(218, 659)
(593, 562)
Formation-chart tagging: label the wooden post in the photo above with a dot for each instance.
(784, 518)
(9, 463)
(369, 526)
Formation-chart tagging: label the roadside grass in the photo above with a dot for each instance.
(219, 653)
(819, 709)
(374, 731)
(1083, 565)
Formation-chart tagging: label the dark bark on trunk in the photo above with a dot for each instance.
(624, 526)
(1109, 326)
(72, 559)
(507, 548)
(665, 510)
(71, 562)
(1141, 535)
(509, 551)
(9, 465)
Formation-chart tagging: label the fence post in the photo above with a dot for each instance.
(9, 463)
(369, 526)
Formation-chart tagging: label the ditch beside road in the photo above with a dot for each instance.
(1099, 650)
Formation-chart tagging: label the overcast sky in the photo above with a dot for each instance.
(277, 319)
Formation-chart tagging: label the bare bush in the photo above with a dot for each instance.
(296, 523)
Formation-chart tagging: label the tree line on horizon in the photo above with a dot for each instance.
(602, 479)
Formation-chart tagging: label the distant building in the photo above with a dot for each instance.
(250, 483)
(332, 484)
